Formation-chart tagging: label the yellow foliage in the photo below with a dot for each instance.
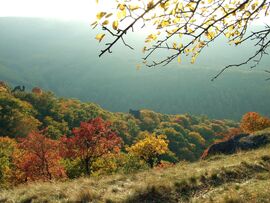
(197, 20)
(115, 25)
(150, 147)
(99, 37)
(100, 15)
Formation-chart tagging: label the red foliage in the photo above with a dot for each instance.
(91, 140)
(38, 159)
(205, 153)
(37, 91)
(164, 165)
(253, 121)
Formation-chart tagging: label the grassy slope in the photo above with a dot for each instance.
(243, 177)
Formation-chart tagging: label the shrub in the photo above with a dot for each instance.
(253, 121)
(150, 148)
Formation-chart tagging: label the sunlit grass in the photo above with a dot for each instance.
(237, 178)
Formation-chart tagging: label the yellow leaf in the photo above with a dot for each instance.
(180, 46)
(165, 23)
(176, 20)
(194, 57)
(150, 5)
(115, 25)
(210, 35)
(121, 14)
(100, 15)
(150, 38)
(108, 15)
(190, 30)
(133, 7)
(106, 22)
(179, 59)
(236, 42)
(94, 23)
(191, 6)
(99, 37)
(121, 6)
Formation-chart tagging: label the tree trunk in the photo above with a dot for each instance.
(151, 162)
(87, 167)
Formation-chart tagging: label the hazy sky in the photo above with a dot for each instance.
(65, 9)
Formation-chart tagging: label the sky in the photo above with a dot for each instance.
(60, 9)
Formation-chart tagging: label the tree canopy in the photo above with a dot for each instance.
(185, 27)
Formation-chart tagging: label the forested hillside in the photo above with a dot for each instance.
(59, 56)
(36, 117)
(44, 137)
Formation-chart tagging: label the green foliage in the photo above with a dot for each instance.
(197, 138)
(55, 129)
(7, 148)
(17, 117)
(149, 120)
(73, 167)
(118, 163)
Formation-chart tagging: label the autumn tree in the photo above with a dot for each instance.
(150, 148)
(185, 27)
(253, 121)
(8, 146)
(38, 159)
(91, 140)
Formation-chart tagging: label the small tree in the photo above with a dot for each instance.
(91, 140)
(38, 158)
(150, 148)
(253, 121)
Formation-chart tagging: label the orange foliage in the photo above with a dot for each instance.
(229, 134)
(37, 91)
(253, 121)
(38, 159)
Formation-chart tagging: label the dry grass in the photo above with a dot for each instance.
(243, 177)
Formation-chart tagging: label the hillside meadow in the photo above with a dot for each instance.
(242, 177)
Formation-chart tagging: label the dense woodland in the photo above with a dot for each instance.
(27, 116)
(43, 137)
